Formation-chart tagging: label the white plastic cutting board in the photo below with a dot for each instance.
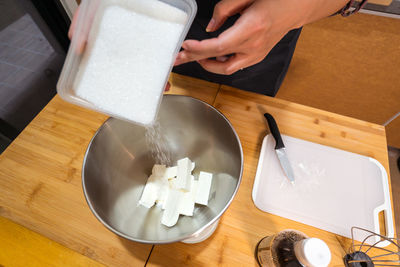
(334, 189)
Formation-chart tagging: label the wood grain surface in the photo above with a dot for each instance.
(40, 185)
(184, 85)
(243, 225)
(40, 180)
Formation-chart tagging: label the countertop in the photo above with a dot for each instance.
(42, 201)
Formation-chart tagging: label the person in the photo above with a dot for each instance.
(249, 44)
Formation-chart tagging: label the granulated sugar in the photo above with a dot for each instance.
(157, 144)
(128, 57)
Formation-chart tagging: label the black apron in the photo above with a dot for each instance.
(264, 77)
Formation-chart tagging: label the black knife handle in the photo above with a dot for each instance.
(273, 127)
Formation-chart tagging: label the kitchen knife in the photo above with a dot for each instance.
(280, 147)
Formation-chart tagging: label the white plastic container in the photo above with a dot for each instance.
(122, 53)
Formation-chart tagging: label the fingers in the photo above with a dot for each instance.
(226, 42)
(227, 67)
(219, 46)
(81, 40)
(73, 24)
(222, 58)
(202, 50)
(197, 50)
(249, 40)
(167, 86)
(184, 57)
(181, 58)
(225, 9)
(229, 42)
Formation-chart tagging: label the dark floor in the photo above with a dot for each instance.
(4, 142)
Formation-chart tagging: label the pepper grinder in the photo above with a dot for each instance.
(292, 248)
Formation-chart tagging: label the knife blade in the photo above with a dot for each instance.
(280, 148)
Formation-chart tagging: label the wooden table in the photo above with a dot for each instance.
(40, 184)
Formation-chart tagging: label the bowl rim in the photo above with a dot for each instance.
(167, 241)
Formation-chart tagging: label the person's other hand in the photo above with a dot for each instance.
(261, 25)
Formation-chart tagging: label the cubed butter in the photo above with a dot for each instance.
(150, 192)
(175, 190)
(193, 166)
(172, 205)
(171, 172)
(183, 176)
(203, 188)
(187, 202)
(159, 170)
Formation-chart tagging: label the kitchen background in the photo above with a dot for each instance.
(33, 45)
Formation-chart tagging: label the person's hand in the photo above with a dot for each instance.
(247, 42)
(261, 25)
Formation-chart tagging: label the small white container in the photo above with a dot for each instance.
(119, 72)
(312, 252)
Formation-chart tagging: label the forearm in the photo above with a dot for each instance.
(291, 14)
(319, 9)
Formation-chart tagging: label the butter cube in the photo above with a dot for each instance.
(158, 170)
(187, 202)
(183, 176)
(172, 204)
(171, 172)
(203, 188)
(171, 186)
(150, 192)
(193, 166)
(175, 190)
(163, 188)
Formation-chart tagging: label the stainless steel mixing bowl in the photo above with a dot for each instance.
(118, 162)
